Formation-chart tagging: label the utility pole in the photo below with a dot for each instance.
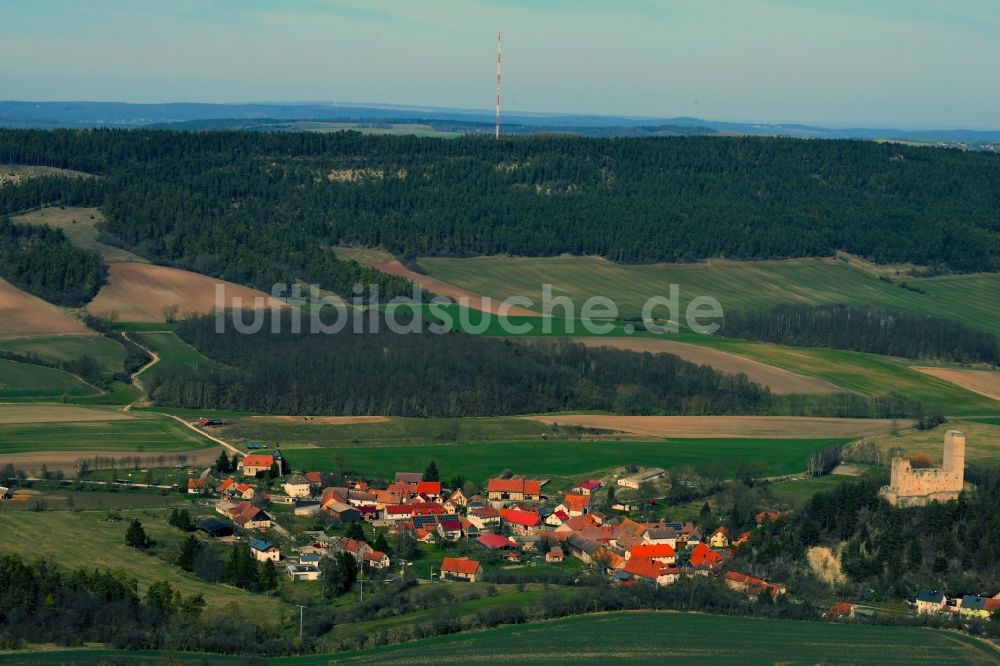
(301, 609)
(498, 86)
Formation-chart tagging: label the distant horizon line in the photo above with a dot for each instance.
(840, 126)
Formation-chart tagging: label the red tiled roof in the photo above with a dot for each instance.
(702, 555)
(196, 484)
(399, 509)
(462, 565)
(651, 550)
(526, 486)
(225, 485)
(374, 556)
(589, 485)
(243, 487)
(257, 460)
(429, 487)
(314, 477)
(646, 568)
(525, 518)
(494, 541)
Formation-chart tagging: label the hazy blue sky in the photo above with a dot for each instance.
(874, 62)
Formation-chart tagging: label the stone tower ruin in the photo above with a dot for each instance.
(917, 487)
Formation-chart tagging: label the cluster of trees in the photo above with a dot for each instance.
(42, 603)
(42, 261)
(890, 553)
(439, 375)
(866, 329)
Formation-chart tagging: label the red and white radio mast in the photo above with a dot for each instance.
(498, 86)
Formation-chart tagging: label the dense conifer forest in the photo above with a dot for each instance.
(865, 329)
(41, 261)
(426, 374)
(258, 208)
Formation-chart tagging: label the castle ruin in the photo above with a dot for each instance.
(917, 487)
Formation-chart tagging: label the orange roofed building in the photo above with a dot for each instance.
(461, 568)
(252, 464)
(514, 490)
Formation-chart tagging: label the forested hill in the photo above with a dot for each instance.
(251, 206)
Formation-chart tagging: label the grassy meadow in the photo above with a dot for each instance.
(736, 284)
(656, 638)
(144, 434)
(561, 459)
(173, 352)
(108, 354)
(26, 381)
(90, 540)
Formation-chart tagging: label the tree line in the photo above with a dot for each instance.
(258, 208)
(42, 261)
(868, 328)
(425, 374)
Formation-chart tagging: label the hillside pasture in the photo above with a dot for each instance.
(108, 354)
(140, 292)
(27, 381)
(23, 315)
(779, 380)
(80, 227)
(87, 539)
(982, 441)
(637, 637)
(970, 299)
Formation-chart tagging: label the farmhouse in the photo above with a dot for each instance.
(516, 490)
(376, 559)
(931, 601)
(196, 486)
(461, 569)
(648, 570)
(917, 487)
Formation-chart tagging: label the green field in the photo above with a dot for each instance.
(141, 433)
(627, 637)
(737, 285)
(173, 352)
(89, 540)
(566, 459)
(109, 355)
(800, 491)
(867, 374)
(394, 430)
(26, 381)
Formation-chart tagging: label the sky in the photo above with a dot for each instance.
(898, 63)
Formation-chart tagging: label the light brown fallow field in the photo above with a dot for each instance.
(762, 427)
(457, 294)
(23, 315)
(780, 381)
(80, 227)
(140, 292)
(983, 382)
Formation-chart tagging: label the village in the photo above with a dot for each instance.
(513, 522)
